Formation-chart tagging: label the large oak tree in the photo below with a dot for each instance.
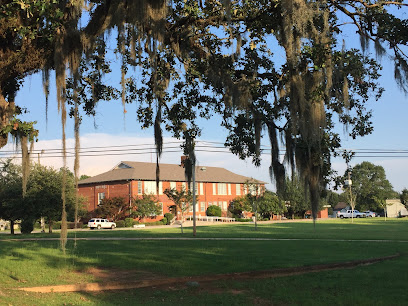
(199, 58)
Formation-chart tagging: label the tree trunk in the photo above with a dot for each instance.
(6, 112)
(50, 226)
(12, 227)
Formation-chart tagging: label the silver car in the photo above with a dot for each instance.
(369, 214)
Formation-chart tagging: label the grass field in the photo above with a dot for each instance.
(37, 263)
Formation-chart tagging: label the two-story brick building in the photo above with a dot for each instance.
(214, 185)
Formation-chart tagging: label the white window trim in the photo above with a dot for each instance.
(238, 189)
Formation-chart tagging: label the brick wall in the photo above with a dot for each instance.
(207, 194)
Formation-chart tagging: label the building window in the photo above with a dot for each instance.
(196, 188)
(161, 208)
(101, 196)
(150, 187)
(224, 205)
(201, 189)
(214, 189)
(238, 189)
(222, 189)
(229, 189)
(190, 208)
(184, 186)
(173, 185)
(139, 187)
(202, 206)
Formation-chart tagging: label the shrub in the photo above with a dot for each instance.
(120, 223)
(153, 223)
(169, 217)
(27, 226)
(243, 220)
(56, 225)
(129, 222)
(214, 210)
(164, 221)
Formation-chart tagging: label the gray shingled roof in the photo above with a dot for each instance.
(168, 172)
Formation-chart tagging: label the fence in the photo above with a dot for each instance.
(211, 219)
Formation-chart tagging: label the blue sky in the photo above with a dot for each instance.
(388, 117)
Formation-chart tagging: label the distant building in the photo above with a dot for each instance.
(3, 225)
(396, 209)
(214, 185)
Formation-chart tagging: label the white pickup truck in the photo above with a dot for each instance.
(350, 213)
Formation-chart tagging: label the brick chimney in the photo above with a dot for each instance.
(183, 158)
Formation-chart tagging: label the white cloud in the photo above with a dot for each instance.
(95, 158)
(101, 152)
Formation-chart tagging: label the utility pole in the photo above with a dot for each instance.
(194, 200)
(349, 183)
(42, 219)
(348, 155)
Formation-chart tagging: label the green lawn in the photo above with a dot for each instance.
(36, 263)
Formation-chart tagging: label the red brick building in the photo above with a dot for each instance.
(214, 185)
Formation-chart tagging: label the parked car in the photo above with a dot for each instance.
(101, 223)
(350, 213)
(369, 214)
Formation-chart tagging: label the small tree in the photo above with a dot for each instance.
(238, 206)
(270, 204)
(182, 199)
(254, 194)
(213, 210)
(296, 196)
(11, 199)
(146, 206)
(114, 208)
(404, 197)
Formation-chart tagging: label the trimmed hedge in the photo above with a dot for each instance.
(243, 220)
(214, 210)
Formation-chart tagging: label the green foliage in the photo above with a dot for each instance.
(146, 206)
(182, 199)
(404, 197)
(333, 198)
(83, 177)
(112, 208)
(370, 186)
(270, 204)
(239, 205)
(11, 199)
(296, 197)
(164, 221)
(169, 217)
(120, 223)
(129, 222)
(295, 99)
(27, 225)
(213, 210)
(243, 220)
